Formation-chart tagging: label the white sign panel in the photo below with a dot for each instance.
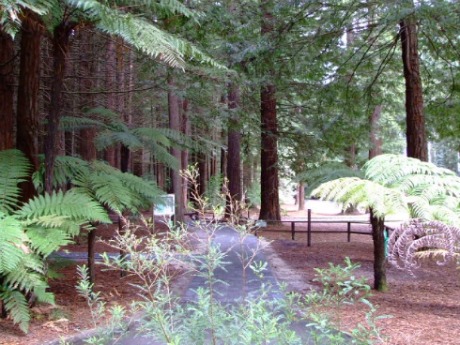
(166, 207)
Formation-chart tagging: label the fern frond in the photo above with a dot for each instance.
(166, 7)
(162, 155)
(16, 305)
(109, 138)
(70, 123)
(12, 243)
(327, 172)
(133, 30)
(45, 240)
(75, 206)
(147, 189)
(27, 276)
(353, 191)
(14, 168)
(407, 241)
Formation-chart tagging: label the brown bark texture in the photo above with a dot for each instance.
(27, 111)
(378, 229)
(417, 146)
(6, 91)
(269, 180)
(234, 146)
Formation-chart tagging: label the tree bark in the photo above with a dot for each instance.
(417, 146)
(378, 229)
(269, 180)
(234, 149)
(6, 91)
(61, 45)
(175, 124)
(27, 111)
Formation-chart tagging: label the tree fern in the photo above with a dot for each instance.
(395, 183)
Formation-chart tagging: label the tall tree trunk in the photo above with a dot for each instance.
(269, 180)
(61, 44)
(175, 124)
(378, 229)
(28, 91)
(374, 133)
(417, 146)
(6, 91)
(234, 148)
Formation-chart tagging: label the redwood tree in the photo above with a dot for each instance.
(234, 145)
(417, 146)
(27, 111)
(269, 181)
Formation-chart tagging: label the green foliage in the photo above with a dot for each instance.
(253, 194)
(15, 169)
(258, 319)
(142, 34)
(30, 232)
(97, 183)
(214, 194)
(395, 183)
(10, 13)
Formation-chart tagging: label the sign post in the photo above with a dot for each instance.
(166, 207)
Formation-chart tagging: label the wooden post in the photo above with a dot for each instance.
(349, 231)
(293, 230)
(309, 228)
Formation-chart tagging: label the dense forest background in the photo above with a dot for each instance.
(250, 91)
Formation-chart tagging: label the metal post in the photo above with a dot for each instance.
(309, 228)
(349, 231)
(293, 230)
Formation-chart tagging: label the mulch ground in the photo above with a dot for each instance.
(425, 309)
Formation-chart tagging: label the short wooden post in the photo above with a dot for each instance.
(349, 231)
(293, 230)
(309, 228)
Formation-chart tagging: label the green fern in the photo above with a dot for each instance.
(14, 169)
(393, 183)
(16, 304)
(12, 243)
(77, 207)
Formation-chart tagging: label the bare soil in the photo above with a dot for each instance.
(425, 309)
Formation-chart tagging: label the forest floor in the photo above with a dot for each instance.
(424, 309)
